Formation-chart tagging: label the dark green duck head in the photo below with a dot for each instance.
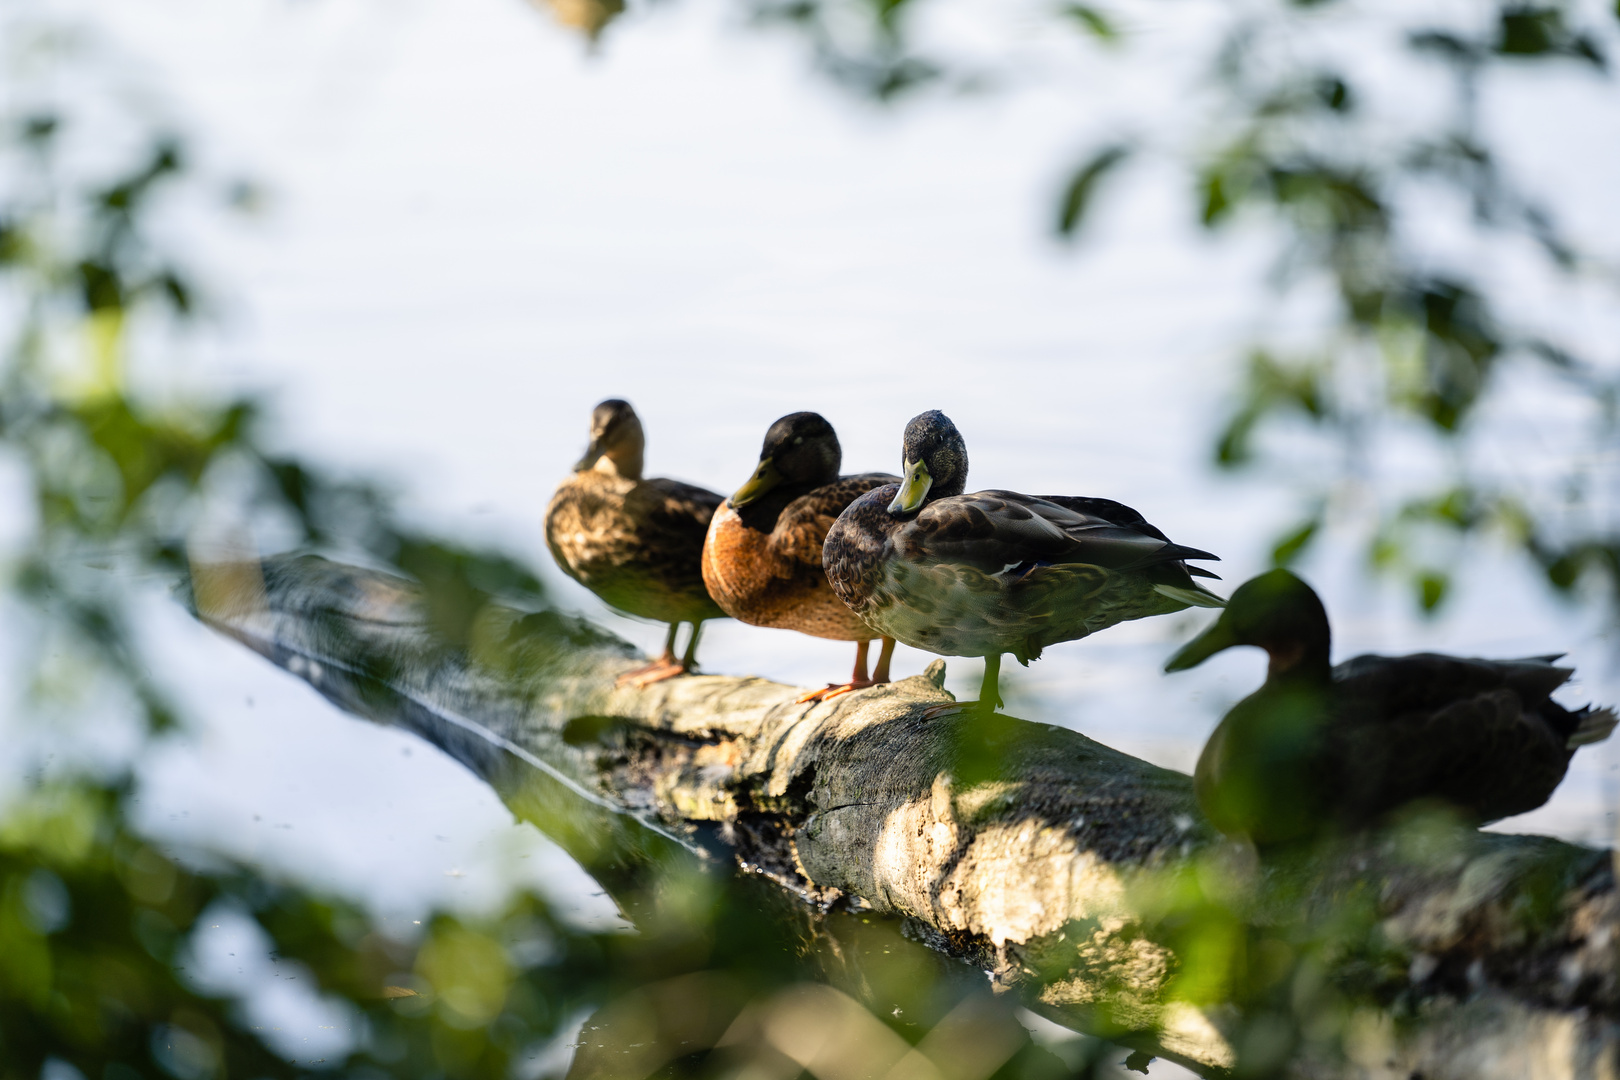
(616, 440)
(1277, 612)
(801, 450)
(934, 463)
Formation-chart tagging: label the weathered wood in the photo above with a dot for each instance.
(1027, 850)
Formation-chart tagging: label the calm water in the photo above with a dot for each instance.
(475, 232)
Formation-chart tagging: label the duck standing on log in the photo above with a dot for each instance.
(1321, 747)
(636, 543)
(762, 559)
(995, 571)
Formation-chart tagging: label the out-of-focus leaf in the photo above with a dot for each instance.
(458, 583)
(1215, 201)
(176, 291)
(1432, 587)
(589, 17)
(889, 11)
(1093, 21)
(1272, 387)
(39, 129)
(1527, 31)
(1077, 196)
(1541, 31)
(1334, 92)
(1292, 545)
(1445, 44)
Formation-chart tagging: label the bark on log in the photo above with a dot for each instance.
(1023, 849)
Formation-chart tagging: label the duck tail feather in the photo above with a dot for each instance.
(1182, 551)
(1199, 571)
(1595, 726)
(1195, 595)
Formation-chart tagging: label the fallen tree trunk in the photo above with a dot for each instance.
(1047, 860)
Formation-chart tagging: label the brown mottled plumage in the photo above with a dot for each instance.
(762, 558)
(996, 572)
(1342, 747)
(637, 544)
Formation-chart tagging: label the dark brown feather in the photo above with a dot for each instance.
(637, 544)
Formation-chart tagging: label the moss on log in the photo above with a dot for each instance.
(1047, 860)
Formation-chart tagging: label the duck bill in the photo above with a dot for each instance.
(593, 454)
(913, 490)
(1217, 638)
(765, 477)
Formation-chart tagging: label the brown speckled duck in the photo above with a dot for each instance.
(1321, 747)
(636, 543)
(762, 559)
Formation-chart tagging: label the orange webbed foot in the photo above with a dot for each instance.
(832, 690)
(657, 671)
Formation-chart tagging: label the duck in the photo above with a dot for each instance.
(762, 558)
(996, 572)
(1320, 749)
(635, 542)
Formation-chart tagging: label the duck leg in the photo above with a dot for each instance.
(882, 673)
(858, 679)
(989, 694)
(689, 661)
(665, 667)
(990, 686)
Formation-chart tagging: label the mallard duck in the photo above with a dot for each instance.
(997, 572)
(762, 560)
(637, 544)
(1342, 747)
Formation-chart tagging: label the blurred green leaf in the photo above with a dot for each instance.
(458, 583)
(1536, 31)
(1082, 186)
(1334, 92)
(1093, 21)
(1432, 587)
(1272, 388)
(1292, 545)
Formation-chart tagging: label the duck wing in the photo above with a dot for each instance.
(1004, 531)
(802, 527)
(1396, 684)
(671, 519)
(672, 503)
(1121, 516)
(1484, 753)
(1108, 510)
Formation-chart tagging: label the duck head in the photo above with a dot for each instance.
(617, 442)
(935, 462)
(800, 449)
(1279, 613)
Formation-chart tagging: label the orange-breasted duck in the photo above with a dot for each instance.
(762, 559)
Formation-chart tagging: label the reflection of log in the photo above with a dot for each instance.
(1027, 850)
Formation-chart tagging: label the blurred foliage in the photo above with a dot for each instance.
(114, 962)
(125, 480)
(1282, 134)
(589, 17)
(111, 964)
(107, 964)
